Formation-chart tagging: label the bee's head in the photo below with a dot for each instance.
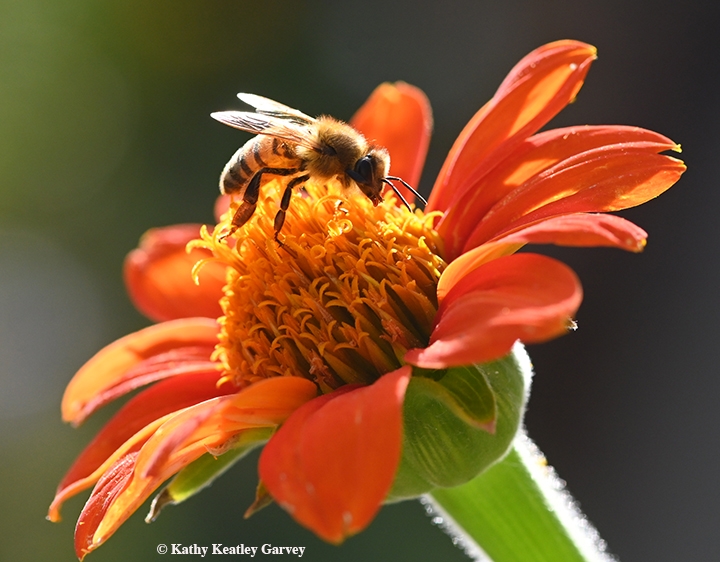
(369, 171)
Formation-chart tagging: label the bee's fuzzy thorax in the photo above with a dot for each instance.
(345, 146)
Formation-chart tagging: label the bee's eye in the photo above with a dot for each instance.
(364, 169)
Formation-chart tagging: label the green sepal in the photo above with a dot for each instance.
(202, 472)
(468, 394)
(455, 429)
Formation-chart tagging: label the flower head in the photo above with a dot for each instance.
(310, 347)
(349, 292)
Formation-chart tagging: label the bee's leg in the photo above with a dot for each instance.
(285, 203)
(247, 207)
(250, 197)
(241, 216)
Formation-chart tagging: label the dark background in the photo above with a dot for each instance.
(105, 132)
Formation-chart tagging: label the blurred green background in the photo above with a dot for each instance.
(105, 132)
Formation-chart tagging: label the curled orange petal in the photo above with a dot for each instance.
(470, 260)
(181, 439)
(113, 482)
(158, 276)
(523, 296)
(131, 446)
(160, 351)
(536, 89)
(161, 399)
(398, 117)
(580, 229)
(609, 178)
(333, 462)
(532, 157)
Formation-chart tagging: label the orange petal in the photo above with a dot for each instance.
(398, 117)
(529, 159)
(113, 482)
(470, 260)
(168, 349)
(265, 403)
(332, 463)
(580, 229)
(165, 397)
(523, 296)
(158, 276)
(182, 439)
(609, 178)
(539, 86)
(131, 446)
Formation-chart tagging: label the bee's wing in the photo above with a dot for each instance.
(272, 108)
(271, 126)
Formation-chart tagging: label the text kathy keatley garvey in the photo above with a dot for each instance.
(219, 548)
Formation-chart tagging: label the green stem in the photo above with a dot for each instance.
(517, 510)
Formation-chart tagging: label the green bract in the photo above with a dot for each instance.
(459, 422)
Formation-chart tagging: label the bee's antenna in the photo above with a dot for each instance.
(397, 192)
(410, 187)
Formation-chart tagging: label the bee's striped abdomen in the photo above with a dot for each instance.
(259, 152)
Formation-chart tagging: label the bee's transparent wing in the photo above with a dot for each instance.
(269, 107)
(271, 126)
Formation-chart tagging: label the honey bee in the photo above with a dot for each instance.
(296, 147)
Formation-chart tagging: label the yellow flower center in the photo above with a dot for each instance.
(349, 291)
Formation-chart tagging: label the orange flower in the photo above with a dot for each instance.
(354, 297)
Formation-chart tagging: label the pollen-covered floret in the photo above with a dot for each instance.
(349, 291)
